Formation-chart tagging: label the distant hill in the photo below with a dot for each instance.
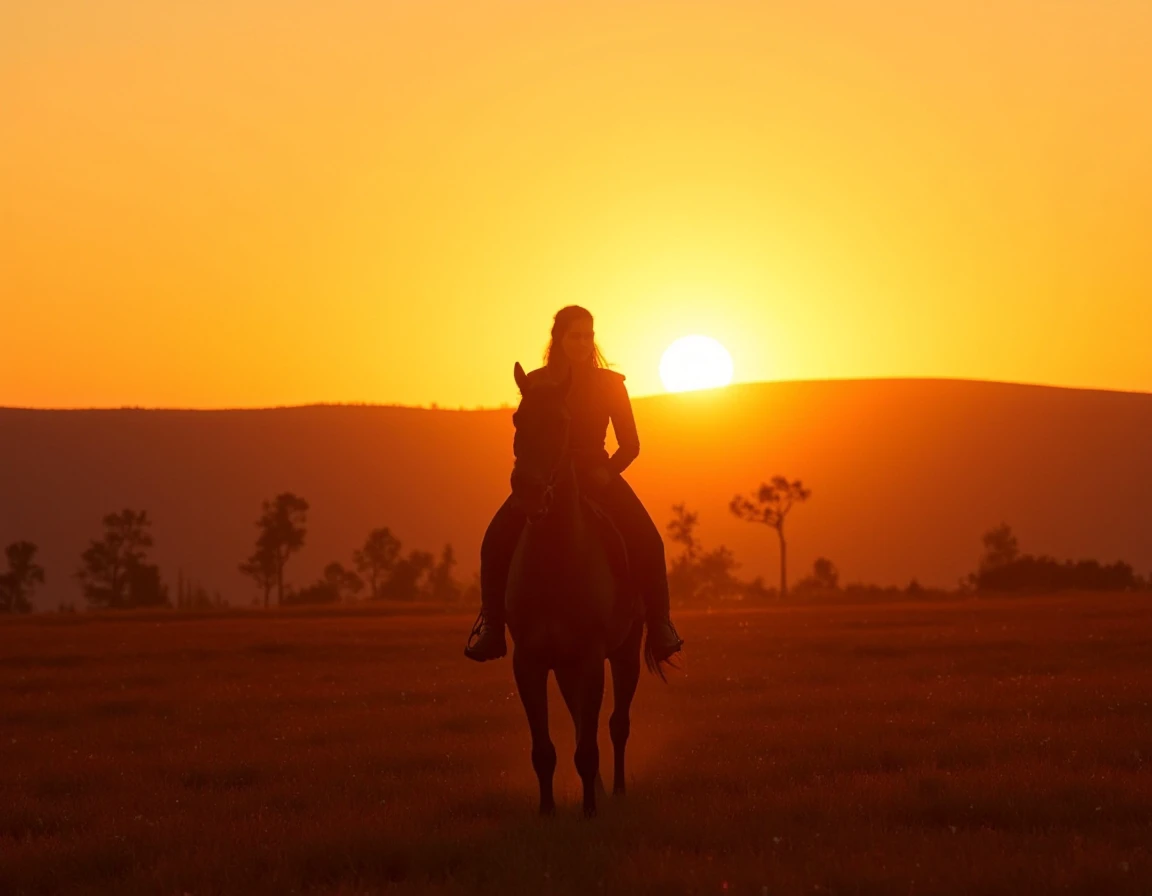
(905, 474)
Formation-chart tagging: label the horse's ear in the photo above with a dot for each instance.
(521, 377)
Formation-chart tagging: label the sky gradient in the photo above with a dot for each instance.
(249, 203)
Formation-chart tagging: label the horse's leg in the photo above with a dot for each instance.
(532, 683)
(625, 661)
(582, 685)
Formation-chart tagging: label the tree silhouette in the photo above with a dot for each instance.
(1004, 568)
(1000, 548)
(696, 574)
(682, 531)
(770, 506)
(824, 577)
(261, 568)
(113, 571)
(825, 573)
(18, 584)
(282, 532)
(337, 584)
(406, 581)
(343, 581)
(442, 584)
(375, 560)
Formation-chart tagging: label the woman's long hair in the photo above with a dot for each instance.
(564, 319)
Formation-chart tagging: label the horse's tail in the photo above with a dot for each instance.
(655, 666)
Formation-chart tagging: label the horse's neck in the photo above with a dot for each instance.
(566, 508)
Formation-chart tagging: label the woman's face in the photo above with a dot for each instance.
(579, 341)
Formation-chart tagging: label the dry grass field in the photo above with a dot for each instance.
(977, 746)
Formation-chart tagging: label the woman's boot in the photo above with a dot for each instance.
(488, 632)
(487, 639)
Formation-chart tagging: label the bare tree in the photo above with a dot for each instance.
(282, 532)
(375, 560)
(18, 584)
(770, 506)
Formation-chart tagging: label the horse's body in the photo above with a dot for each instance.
(569, 608)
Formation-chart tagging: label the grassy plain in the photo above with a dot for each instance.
(978, 746)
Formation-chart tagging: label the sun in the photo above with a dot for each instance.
(695, 362)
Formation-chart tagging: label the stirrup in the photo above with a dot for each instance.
(477, 627)
(490, 645)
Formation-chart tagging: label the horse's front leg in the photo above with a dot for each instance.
(582, 684)
(532, 683)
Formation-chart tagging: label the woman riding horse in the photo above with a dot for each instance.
(595, 396)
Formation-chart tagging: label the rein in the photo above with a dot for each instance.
(550, 487)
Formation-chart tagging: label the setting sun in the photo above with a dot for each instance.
(695, 362)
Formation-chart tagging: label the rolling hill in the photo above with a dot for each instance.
(905, 474)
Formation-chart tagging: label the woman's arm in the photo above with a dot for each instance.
(623, 425)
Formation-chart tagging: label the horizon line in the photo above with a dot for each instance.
(436, 406)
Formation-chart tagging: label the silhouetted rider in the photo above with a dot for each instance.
(596, 395)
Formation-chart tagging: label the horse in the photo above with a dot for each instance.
(568, 606)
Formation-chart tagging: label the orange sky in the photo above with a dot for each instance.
(249, 202)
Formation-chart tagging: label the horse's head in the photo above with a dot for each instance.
(541, 442)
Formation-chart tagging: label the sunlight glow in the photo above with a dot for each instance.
(695, 362)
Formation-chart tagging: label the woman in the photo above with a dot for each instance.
(596, 395)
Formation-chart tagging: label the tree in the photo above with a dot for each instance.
(824, 577)
(18, 584)
(113, 571)
(343, 581)
(697, 575)
(261, 568)
(144, 586)
(1000, 548)
(442, 585)
(407, 580)
(681, 530)
(375, 560)
(715, 580)
(1046, 574)
(770, 506)
(282, 532)
(337, 584)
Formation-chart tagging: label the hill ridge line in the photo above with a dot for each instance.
(645, 397)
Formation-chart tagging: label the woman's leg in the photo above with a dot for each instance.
(646, 555)
(495, 560)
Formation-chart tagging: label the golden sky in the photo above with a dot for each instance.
(249, 202)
